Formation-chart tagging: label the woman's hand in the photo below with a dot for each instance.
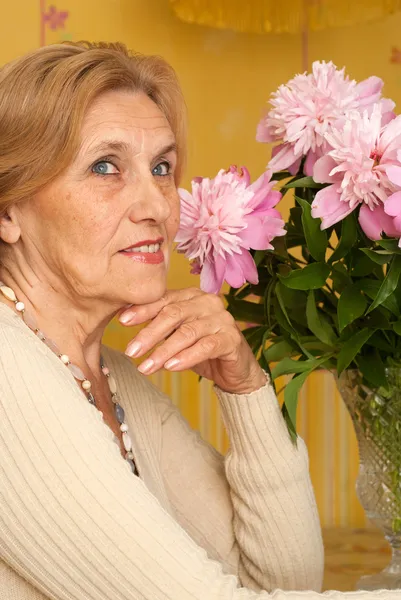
(195, 332)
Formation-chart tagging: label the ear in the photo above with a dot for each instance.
(10, 231)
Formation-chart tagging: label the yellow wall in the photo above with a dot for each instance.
(227, 79)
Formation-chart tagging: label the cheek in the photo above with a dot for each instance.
(81, 221)
(173, 221)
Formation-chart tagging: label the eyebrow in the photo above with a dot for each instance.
(119, 146)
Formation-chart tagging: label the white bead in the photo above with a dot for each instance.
(127, 442)
(76, 371)
(124, 427)
(112, 384)
(129, 456)
(86, 385)
(64, 359)
(20, 306)
(52, 345)
(30, 321)
(8, 293)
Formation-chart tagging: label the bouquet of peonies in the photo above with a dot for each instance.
(322, 290)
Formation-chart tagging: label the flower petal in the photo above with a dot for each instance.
(392, 206)
(212, 275)
(283, 158)
(310, 162)
(322, 169)
(393, 172)
(241, 268)
(328, 206)
(263, 133)
(370, 221)
(369, 90)
(261, 231)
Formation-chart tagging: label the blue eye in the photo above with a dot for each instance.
(104, 167)
(162, 169)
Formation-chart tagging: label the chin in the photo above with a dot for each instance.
(146, 294)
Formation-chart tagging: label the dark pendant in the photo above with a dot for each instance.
(120, 414)
(133, 466)
(91, 399)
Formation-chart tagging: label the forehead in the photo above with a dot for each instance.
(130, 116)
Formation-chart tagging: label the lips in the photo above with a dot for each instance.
(146, 246)
(145, 252)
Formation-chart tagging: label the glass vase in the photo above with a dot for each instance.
(376, 415)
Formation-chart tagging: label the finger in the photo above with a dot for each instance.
(207, 348)
(140, 313)
(171, 317)
(186, 336)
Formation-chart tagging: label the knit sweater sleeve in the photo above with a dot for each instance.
(255, 511)
(74, 521)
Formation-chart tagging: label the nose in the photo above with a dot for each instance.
(150, 202)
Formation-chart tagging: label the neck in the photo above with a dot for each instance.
(75, 324)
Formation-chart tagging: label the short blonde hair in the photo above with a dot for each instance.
(45, 94)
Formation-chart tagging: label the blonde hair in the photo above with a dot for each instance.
(45, 94)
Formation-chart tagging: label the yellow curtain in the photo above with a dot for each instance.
(281, 16)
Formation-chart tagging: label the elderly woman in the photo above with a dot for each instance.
(106, 493)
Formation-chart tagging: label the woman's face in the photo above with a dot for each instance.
(118, 194)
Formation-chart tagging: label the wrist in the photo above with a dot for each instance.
(249, 386)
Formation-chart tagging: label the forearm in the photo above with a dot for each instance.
(275, 518)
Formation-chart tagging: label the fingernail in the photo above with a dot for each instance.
(127, 317)
(146, 365)
(170, 364)
(133, 348)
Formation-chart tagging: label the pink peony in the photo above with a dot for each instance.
(362, 152)
(221, 220)
(392, 206)
(308, 107)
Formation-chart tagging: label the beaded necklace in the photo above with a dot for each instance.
(85, 384)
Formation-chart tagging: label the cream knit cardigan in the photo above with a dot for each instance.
(76, 524)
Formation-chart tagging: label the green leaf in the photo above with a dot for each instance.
(254, 337)
(361, 264)
(291, 393)
(380, 342)
(316, 239)
(389, 283)
(340, 277)
(248, 312)
(371, 288)
(351, 306)
(351, 347)
(281, 175)
(282, 303)
(397, 327)
(389, 245)
(318, 322)
(259, 256)
(372, 368)
(349, 234)
(377, 319)
(288, 366)
(304, 182)
(311, 277)
(292, 298)
(278, 351)
(265, 366)
(290, 425)
(381, 257)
